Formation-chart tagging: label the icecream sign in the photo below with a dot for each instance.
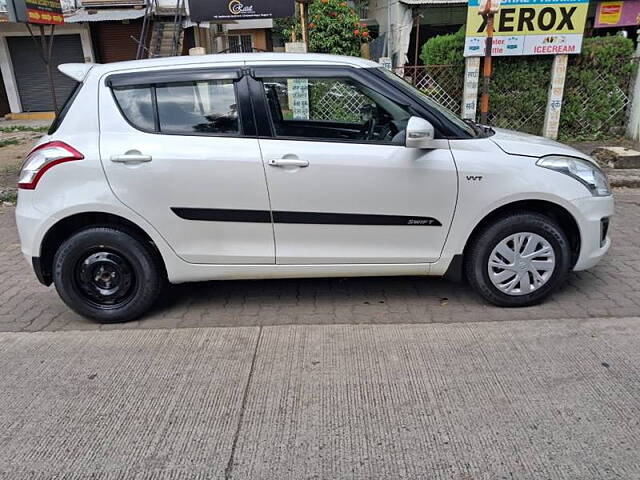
(529, 27)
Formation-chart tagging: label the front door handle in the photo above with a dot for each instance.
(132, 156)
(288, 162)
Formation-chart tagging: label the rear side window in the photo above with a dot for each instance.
(203, 107)
(187, 108)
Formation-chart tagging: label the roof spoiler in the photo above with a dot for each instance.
(77, 71)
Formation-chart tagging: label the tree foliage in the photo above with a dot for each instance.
(444, 49)
(598, 82)
(334, 27)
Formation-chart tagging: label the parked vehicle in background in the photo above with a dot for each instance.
(255, 166)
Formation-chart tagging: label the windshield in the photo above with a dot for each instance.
(452, 117)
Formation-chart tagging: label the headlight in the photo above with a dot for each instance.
(586, 172)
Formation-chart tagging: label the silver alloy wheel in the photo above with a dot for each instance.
(521, 263)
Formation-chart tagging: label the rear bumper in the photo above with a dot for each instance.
(43, 277)
(29, 221)
(593, 218)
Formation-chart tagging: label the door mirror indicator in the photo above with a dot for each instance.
(420, 133)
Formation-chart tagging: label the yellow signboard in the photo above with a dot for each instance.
(609, 13)
(529, 27)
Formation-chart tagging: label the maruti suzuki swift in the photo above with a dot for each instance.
(256, 166)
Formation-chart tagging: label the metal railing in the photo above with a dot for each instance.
(595, 101)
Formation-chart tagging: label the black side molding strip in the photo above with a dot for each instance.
(223, 215)
(351, 219)
(317, 218)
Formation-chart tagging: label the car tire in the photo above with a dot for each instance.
(107, 274)
(534, 252)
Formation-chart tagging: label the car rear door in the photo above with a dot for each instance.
(339, 192)
(179, 148)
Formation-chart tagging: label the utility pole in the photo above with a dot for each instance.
(488, 9)
(304, 20)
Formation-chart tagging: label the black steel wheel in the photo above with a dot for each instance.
(107, 274)
(106, 279)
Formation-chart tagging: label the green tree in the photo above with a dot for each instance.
(596, 89)
(445, 50)
(334, 28)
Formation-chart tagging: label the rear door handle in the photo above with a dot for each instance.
(131, 157)
(288, 162)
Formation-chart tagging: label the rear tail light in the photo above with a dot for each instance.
(41, 159)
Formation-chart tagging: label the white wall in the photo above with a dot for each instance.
(395, 13)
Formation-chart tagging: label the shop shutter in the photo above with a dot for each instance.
(31, 74)
(113, 40)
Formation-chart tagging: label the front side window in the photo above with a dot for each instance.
(413, 91)
(333, 109)
(202, 107)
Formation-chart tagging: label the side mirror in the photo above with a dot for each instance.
(420, 133)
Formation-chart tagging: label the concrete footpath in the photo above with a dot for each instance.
(494, 400)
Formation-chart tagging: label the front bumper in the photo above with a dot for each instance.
(593, 215)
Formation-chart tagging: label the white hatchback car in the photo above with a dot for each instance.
(255, 166)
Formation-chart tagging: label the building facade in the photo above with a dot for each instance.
(107, 31)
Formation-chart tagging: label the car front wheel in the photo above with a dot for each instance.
(107, 275)
(518, 260)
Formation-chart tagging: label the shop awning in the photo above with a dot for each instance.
(103, 15)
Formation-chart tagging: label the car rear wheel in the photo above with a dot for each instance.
(107, 275)
(518, 260)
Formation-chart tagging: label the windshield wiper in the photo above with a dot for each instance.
(483, 130)
(474, 125)
(487, 129)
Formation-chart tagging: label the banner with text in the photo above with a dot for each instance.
(528, 27)
(44, 12)
(212, 10)
(618, 14)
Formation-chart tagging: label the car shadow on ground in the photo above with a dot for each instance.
(375, 300)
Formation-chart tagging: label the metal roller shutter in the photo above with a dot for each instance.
(31, 75)
(113, 40)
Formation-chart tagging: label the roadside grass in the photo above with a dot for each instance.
(9, 141)
(10, 196)
(9, 170)
(24, 128)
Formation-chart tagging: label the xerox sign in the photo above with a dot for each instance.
(529, 27)
(206, 10)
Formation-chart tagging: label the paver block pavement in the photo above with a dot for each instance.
(611, 289)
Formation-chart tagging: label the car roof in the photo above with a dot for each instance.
(237, 59)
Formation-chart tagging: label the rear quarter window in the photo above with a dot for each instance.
(136, 104)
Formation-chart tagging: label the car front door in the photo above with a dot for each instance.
(179, 148)
(343, 187)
